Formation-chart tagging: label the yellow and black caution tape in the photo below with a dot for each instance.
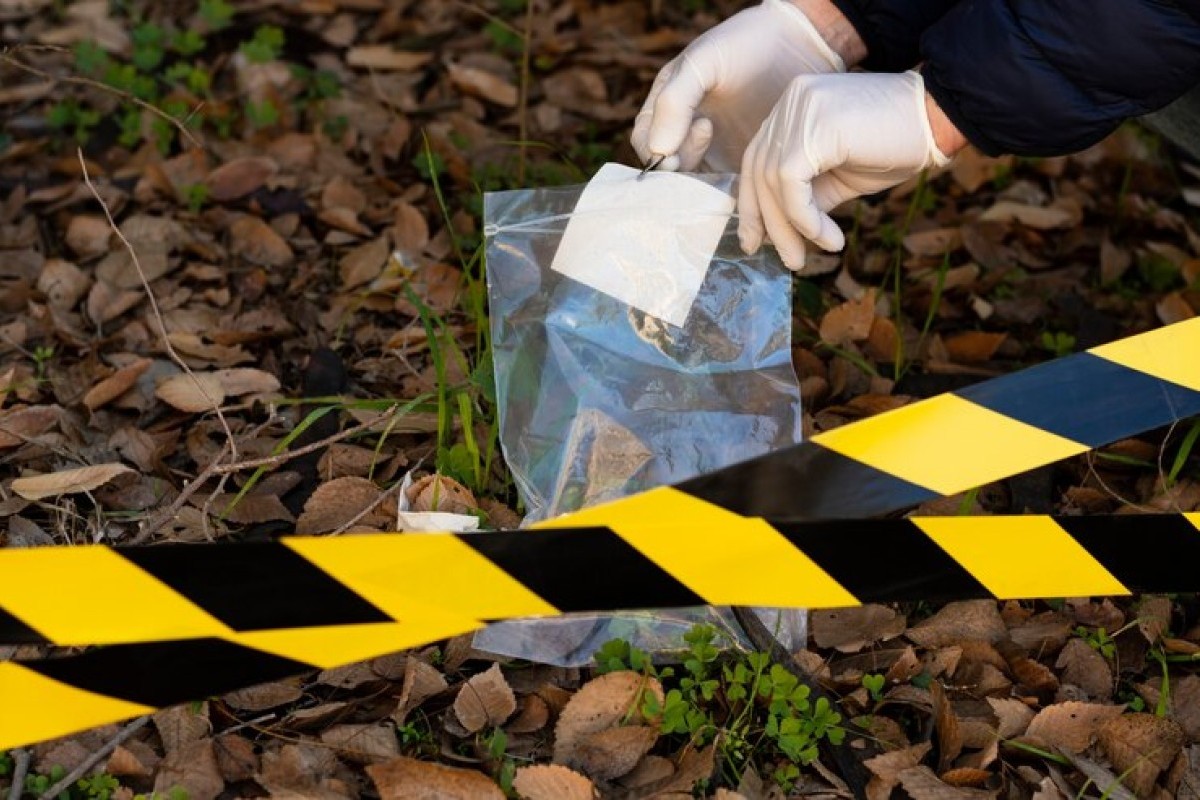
(786, 529)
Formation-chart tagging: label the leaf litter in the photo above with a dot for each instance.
(280, 256)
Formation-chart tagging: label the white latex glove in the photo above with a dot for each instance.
(712, 97)
(830, 138)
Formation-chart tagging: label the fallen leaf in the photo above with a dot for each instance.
(421, 681)
(241, 176)
(115, 384)
(369, 743)
(886, 769)
(192, 768)
(958, 622)
(238, 381)
(1172, 308)
(383, 57)
(68, 481)
(532, 715)
(180, 725)
(933, 242)
(153, 239)
(851, 629)
(602, 703)
(553, 782)
(1141, 746)
(972, 169)
(483, 84)
(191, 392)
(1039, 217)
(1154, 617)
(946, 725)
(409, 779)
(440, 493)
(973, 347)
(608, 754)
(336, 502)
(88, 235)
(486, 700)
(1014, 716)
(966, 777)
(20, 424)
(1071, 726)
(1082, 666)
(63, 283)
(265, 695)
(364, 263)
(849, 322)
(258, 243)
(922, 784)
(1114, 261)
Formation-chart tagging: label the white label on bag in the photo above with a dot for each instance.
(647, 242)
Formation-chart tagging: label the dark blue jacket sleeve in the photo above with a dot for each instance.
(1049, 77)
(891, 29)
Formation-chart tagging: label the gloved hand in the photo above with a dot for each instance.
(830, 138)
(715, 94)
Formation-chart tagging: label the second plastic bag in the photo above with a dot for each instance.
(635, 345)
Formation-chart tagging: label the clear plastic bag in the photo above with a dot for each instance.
(599, 399)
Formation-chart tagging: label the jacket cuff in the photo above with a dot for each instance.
(949, 104)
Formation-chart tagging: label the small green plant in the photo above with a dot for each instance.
(38, 785)
(874, 684)
(71, 117)
(195, 195)
(754, 710)
(1099, 640)
(1059, 343)
(266, 46)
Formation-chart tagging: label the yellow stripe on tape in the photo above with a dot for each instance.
(334, 645)
(948, 444)
(399, 574)
(1171, 353)
(34, 707)
(1021, 557)
(721, 556)
(90, 595)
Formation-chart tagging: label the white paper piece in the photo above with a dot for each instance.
(409, 521)
(646, 242)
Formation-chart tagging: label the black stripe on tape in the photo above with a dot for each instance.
(806, 481)
(883, 560)
(164, 673)
(583, 569)
(1153, 553)
(1086, 398)
(255, 585)
(14, 631)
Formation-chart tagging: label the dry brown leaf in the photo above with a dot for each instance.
(650, 771)
(1082, 666)
(364, 263)
(237, 178)
(193, 769)
(22, 423)
(486, 700)
(922, 784)
(1140, 746)
(602, 703)
(153, 239)
(611, 753)
(338, 501)
(421, 681)
(553, 782)
(933, 242)
(849, 322)
(972, 169)
(1172, 308)
(180, 725)
(258, 243)
(236, 758)
(1154, 617)
(124, 763)
(68, 481)
(694, 765)
(191, 392)
(886, 769)
(440, 493)
(383, 57)
(966, 777)
(1014, 716)
(265, 695)
(1070, 726)
(106, 302)
(945, 723)
(88, 235)
(409, 779)
(973, 347)
(363, 744)
(532, 715)
(483, 84)
(238, 381)
(63, 283)
(959, 622)
(851, 629)
(115, 384)
(1042, 633)
(1039, 217)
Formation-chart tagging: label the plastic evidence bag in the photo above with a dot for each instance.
(635, 345)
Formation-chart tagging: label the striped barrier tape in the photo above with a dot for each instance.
(210, 618)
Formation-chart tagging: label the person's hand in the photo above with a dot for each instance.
(829, 139)
(709, 101)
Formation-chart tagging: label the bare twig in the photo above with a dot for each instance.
(167, 514)
(95, 758)
(20, 770)
(374, 504)
(7, 58)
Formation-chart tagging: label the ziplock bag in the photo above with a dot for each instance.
(635, 345)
